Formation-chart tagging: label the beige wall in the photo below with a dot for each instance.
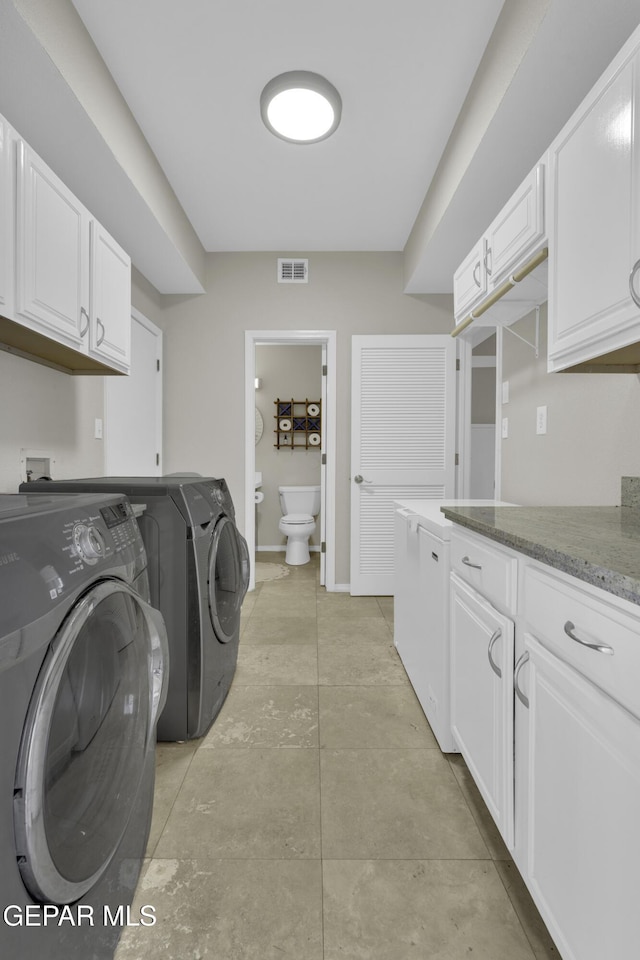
(593, 433)
(286, 372)
(45, 410)
(352, 293)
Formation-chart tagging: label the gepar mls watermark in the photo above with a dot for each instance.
(77, 915)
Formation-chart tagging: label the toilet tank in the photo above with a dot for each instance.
(300, 500)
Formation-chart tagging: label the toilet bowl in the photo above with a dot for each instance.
(300, 506)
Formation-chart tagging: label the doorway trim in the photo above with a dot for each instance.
(327, 339)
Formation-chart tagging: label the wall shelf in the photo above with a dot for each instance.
(298, 424)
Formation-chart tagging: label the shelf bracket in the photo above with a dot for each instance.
(536, 344)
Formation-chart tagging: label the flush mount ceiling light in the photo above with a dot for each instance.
(300, 107)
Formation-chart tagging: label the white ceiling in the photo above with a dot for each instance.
(192, 74)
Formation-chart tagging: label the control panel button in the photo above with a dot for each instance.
(88, 542)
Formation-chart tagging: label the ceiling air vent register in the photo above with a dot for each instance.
(293, 271)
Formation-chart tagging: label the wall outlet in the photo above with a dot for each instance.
(505, 391)
(97, 430)
(505, 427)
(541, 420)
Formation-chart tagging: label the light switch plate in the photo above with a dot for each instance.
(541, 420)
(97, 431)
(505, 427)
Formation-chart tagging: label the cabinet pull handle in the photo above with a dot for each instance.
(467, 563)
(83, 333)
(524, 700)
(494, 638)
(488, 269)
(632, 276)
(476, 274)
(101, 337)
(600, 647)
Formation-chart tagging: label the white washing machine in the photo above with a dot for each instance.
(83, 660)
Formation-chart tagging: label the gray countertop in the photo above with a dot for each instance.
(600, 545)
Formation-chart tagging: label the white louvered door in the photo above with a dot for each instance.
(402, 442)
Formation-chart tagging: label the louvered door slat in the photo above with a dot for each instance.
(403, 422)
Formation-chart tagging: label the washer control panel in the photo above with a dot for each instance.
(88, 542)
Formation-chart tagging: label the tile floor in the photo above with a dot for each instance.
(318, 819)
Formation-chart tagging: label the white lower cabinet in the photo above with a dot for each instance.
(583, 834)
(482, 641)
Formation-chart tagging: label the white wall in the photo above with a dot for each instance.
(45, 410)
(285, 372)
(352, 293)
(593, 436)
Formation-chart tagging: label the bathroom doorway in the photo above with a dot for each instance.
(289, 366)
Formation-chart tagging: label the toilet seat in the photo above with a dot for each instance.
(297, 518)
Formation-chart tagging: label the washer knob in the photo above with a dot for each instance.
(89, 542)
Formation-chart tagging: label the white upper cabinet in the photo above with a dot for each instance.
(52, 252)
(594, 287)
(65, 284)
(516, 234)
(6, 222)
(518, 228)
(110, 333)
(470, 281)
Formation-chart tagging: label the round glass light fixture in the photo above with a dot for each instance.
(300, 107)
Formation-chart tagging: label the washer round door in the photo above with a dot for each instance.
(90, 725)
(228, 578)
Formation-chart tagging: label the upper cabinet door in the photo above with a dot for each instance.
(518, 228)
(595, 209)
(110, 338)
(52, 265)
(469, 281)
(6, 277)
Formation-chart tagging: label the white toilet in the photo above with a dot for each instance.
(300, 506)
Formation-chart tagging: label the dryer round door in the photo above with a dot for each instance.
(90, 725)
(226, 580)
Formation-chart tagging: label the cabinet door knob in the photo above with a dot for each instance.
(569, 628)
(494, 638)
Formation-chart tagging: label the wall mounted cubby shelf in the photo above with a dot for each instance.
(298, 424)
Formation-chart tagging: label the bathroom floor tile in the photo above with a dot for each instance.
(357, 663)
(246, 804)
(266, 717)
(537, 934)
(277, 664)
(280, 630)
(373, 717)
(172, 762)
(394, 804)
(419, 910)
(479, 811)
(228, 910)
(365, 629)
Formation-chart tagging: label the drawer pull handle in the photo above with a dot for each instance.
(632, 277)
(524, 700)
(467, 563)
(600, 647)
(494, 638)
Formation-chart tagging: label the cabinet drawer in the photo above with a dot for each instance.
(488, 568)
(556, 606)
